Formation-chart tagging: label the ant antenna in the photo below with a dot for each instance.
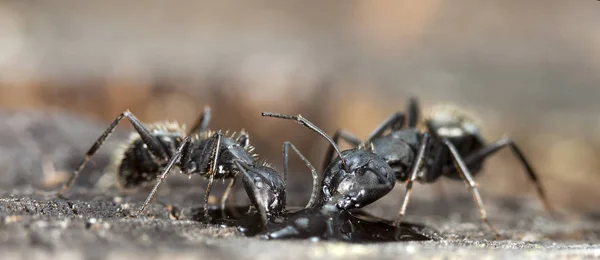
(303, 121)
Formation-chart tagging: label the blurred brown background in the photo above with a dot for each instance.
(529, 69)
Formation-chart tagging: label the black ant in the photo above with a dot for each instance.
(158, 147)
(354, 179)
(456, 150)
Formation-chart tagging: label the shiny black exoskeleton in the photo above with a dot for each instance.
(267, 190)
(449, 146)
(154, 150)
(363, 179)
(356, 178)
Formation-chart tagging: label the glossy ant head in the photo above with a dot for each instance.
(365, 179)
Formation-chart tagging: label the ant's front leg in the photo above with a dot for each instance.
(418, 163)
(209, 160)
(315, 188)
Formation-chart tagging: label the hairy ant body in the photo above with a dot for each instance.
(450, 146)
(154, 150)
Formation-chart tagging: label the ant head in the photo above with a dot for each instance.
(451, 122)
(264, 187)
(364, 170)
(303, 121)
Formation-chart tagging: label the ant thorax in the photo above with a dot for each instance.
(450, 122)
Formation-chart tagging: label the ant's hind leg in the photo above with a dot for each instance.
(507, 142)
(468, 178)
(314, 194)
(150, 141)
(344, 135)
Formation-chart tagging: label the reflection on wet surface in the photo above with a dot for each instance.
(355, 226)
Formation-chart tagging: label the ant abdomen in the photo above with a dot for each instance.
(136, 166)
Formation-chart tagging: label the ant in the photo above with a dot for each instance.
(453, 148)
(160, 146)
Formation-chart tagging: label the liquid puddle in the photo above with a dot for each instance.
(351, 226)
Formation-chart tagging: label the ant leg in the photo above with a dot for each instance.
(394, 122)
(210, 148)
(504, 142)
(150, 141)
(262, 208)
(414, 112)
(226, 194)
(413, 176)
(201, 125)
(212, 170)
(183, 148)
(315, 191)
(468, 178)
(206, 196)
(346, 136)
